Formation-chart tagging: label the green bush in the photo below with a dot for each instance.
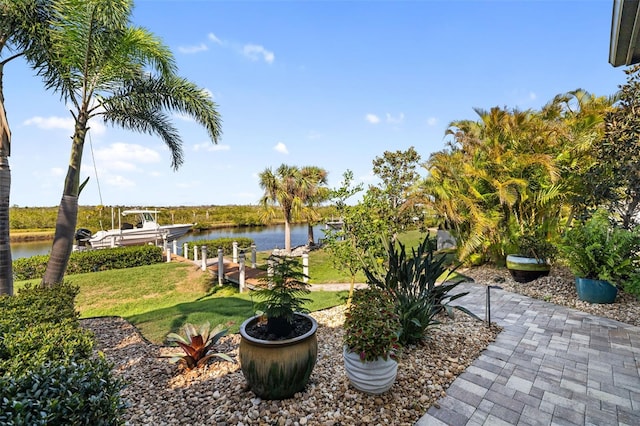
(90, 261)
(47, 372)
(226, 244)
(412, 282)
(76, 393)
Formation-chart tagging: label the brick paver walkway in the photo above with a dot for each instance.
(550, 365)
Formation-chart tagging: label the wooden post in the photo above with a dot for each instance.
(235, 252)
(253, 256)
(305, 266)
(185, 250)
(241, 272)
(168, 255)
(220, 267)
(204, 258)
(175, 246)
(195, 253)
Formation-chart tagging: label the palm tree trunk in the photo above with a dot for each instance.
(287, 236)
(6, 269)
(310, 239)
(62, 241)
(68, 211)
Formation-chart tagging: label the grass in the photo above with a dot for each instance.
(159, 299)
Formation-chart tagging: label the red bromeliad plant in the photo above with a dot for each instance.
(197, 345)
(371, 325)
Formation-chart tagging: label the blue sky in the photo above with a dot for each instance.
(326, 83)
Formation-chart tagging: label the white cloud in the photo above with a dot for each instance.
(215, 39)
(63, 123)
(120, 181)
(395, 119)
(188, 185)
(281, 148)
(532, 96)
(255, 52)
(49, 123)
(372, 118)
(432, 121)
(193, 49)
(123, 156)
(210, 147)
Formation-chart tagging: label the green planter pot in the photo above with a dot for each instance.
(525, 269)
(277, 369)
(595, 291)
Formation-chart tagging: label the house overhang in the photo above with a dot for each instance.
(624, 48)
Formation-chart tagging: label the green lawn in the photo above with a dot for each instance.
(159, 299)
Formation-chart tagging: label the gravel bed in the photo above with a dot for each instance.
(159, 393)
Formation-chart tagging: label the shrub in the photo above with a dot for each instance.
(90, 261)
(81, 392)
(226, 244)
(47, 372)
(371, 325)
(411, 281)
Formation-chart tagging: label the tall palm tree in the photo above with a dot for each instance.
(282, 189)
(105, 67)
(21, 34)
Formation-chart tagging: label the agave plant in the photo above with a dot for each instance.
(421, 284)
(197, 344)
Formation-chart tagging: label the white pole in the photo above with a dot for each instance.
(241, 270)
(168, 255)
(195, 253)
(235, 252)
(253, 256)
(185, 250)
(220, 267)
(305, 266)
(175, 246)
(204, 258)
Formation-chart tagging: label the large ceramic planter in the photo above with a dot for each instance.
(525, 269)
(373, 377)
(277, 369)
(595, 291)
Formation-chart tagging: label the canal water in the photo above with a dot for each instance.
(265, 238)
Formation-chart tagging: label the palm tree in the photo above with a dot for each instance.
(313, 192)
(105, 67)
(21, 31)
(282, 189)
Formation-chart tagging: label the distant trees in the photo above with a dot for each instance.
(105, 67)
(295, 191)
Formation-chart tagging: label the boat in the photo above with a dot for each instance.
(144, 229)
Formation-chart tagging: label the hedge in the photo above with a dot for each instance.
(28, 268)
(48, 374)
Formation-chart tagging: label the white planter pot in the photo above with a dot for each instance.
(373, 377)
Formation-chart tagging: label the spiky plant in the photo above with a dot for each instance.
(197, 344)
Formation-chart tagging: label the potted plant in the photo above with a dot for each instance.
(532, 260)
(278, 346)
(371, 330)
(602, 256)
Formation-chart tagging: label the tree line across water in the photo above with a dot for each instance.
(25, 219)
